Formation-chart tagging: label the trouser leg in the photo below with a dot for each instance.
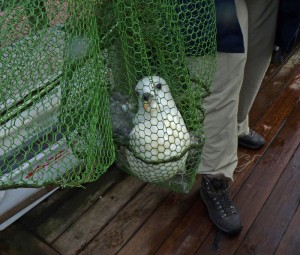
(220, 124)
(262, 16)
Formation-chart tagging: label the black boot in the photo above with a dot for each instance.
(215, 194)
(252, 140)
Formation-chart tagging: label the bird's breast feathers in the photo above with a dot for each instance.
(159, 139)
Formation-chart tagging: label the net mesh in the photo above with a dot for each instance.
(88, 83)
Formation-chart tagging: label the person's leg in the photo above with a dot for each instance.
(219, 154)
(221, 108)
(262, 16)
(219, 157)
(220, 123)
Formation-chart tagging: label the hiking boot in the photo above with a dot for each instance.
(215, 194)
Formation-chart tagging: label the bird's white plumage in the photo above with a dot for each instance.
(159, 133)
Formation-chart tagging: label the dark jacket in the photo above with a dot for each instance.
(288, 24)
(229, 33)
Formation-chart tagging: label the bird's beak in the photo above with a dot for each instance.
(150, 106)
(147, 102)
(147, 107)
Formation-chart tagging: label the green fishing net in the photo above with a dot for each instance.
(88, 83)
(54, 103)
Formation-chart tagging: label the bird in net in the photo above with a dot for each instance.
(159, 138)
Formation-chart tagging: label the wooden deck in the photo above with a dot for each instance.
(121, 215)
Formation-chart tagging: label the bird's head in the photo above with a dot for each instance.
(153, 92)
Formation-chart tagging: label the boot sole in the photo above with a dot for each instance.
(248, 146)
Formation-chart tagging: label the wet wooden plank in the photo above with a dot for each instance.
(266, 232)
(94, 220)
(276, 85)
(190, 232)
(272, 70)
(161, 224)
(66, 212)
(273, 85)
(48, 206)
(256, 190)
(280, 110)
(270, 123)
(290, 243)
(111, 239)
(18, 241)
(51, 205)
(275, 67)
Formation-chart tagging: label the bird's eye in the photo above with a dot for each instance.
(158, 85)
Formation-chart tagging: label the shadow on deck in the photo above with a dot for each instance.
(119, 214)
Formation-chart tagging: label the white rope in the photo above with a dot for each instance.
(248, 159)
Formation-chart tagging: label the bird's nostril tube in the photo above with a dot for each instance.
(146, 96)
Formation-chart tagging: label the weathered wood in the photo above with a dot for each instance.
(53, 204)
(17, 241)
(273, 85)
(39, 214)
(270, 123)
(290, 243)
(94, 220)
(260, 183)
(127, 222)
(275, 82)
(272, 221)
(273, 68)
(267, 117)
(161, 224)
(189, 233)
(68, 211)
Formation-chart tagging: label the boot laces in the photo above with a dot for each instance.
(223, 203)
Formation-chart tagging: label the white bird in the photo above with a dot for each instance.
(159, 133)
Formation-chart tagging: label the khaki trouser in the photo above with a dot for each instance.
(237, 80)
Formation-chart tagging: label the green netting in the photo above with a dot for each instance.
(87, 83)
(55, 122)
